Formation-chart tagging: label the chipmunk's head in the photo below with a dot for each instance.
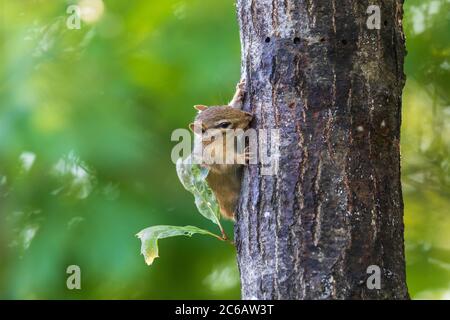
(212, 128)
(220, 118)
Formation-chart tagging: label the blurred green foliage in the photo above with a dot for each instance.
(85, 122)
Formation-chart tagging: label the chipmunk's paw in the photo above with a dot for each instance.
(238, 98)
(241, 85)
(246, 158)
(249, 158)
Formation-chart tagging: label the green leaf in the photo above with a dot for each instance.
(193, 178)
(149, 238)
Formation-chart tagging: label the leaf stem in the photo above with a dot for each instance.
(223, 237)
(222, 231)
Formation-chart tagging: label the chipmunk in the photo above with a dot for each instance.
(224, 179)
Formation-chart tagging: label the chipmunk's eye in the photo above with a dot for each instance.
(224, 125)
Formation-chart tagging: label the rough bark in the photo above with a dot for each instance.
(333, 88)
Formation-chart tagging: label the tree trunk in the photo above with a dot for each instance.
(333, 88)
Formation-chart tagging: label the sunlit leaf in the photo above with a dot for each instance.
(150, 236)
(193, 178)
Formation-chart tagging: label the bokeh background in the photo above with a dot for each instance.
(85, 123)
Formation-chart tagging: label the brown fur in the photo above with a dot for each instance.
(226, 184)
(224, 180)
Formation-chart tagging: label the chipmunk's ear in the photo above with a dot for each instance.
(200, 107)
(192, 126)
